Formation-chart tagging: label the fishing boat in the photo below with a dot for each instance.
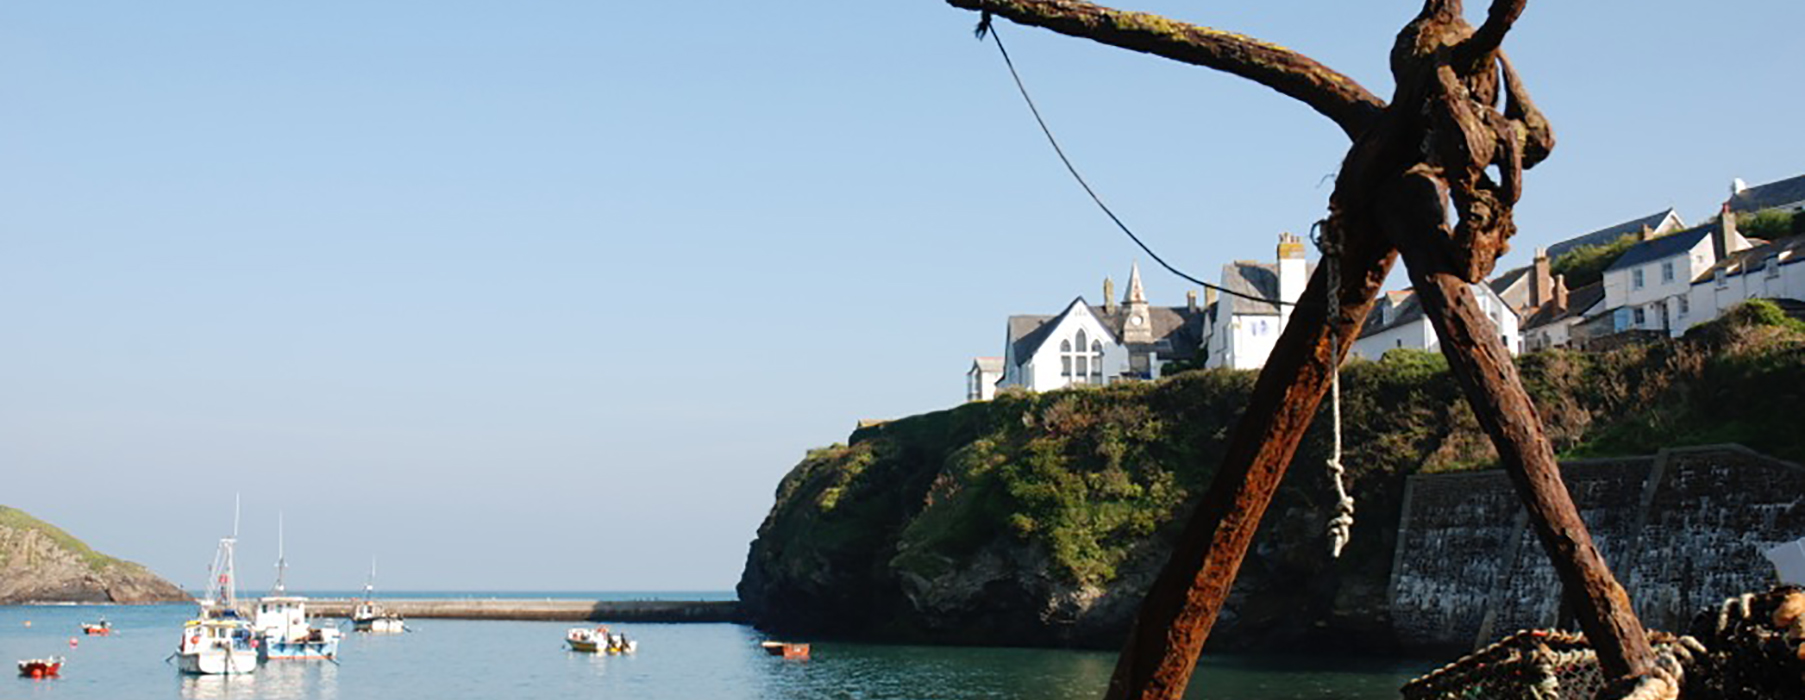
(41, 668)
(599, 640)
(368, 616)
(97, 629)
(218, 640)
(788, 650)
(280, 622)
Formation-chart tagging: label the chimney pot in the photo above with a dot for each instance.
(1191, 299)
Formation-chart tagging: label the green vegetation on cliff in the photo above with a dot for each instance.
(1046, 512)
(41, 562)
(20, 520)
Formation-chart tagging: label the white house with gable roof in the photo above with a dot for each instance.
(1091, 345)
(1241, 329)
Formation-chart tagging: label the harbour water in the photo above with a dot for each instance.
(491, 659)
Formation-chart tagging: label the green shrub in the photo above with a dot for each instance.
(1586, 264)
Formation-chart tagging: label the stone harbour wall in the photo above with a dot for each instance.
(1682, 530)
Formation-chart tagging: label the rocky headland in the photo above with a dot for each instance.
(39, 563)
(1040, 519)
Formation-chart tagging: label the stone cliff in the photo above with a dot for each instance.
(41, 563)
(1040, 519)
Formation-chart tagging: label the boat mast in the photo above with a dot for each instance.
(281, 557)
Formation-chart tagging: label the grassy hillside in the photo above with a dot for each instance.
(1038, 510)
(20, 520)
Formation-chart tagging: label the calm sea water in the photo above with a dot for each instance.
(451, 659)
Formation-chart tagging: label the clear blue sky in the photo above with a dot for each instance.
(551, 295)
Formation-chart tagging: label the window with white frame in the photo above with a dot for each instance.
(1096, 361)
(1065, 358)
(1667, 272)
(1685, 306)
(1636, 278)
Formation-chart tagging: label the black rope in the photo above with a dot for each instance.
(984, 27)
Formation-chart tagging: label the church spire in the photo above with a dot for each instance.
(1135, 294)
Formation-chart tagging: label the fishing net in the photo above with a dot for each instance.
(1750, 648)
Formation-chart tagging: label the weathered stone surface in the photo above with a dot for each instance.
(1683, 529)
(41, 563)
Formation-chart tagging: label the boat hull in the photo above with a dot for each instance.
(218, 662)
(380, 625)
(277, 650)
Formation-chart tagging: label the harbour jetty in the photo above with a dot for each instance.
(559, 609)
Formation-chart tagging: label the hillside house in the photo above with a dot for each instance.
(1398, 321)
(1239, 332)
(1086, 344)
(1649, 288)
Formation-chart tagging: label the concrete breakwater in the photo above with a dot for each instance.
(544, 609)
(1683, 530)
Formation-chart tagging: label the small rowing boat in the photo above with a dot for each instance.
(599, 640)
(41, 668)
(788, 650)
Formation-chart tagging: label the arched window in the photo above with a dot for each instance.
(1083, 357)
(1097, 361)
(1065, 358)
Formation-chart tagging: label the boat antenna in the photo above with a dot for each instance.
(281, 557)
(370, 583)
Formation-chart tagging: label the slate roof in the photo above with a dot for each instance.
(1772, 194)
(1579, 301)
(1256, 279)
(1791, 250)
(1503, 282)
(1664, 247)
(1026, 333)
(1406, 308)
(1181, 326)
(1608, 234)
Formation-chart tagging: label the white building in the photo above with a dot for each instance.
(1398, 321)
(1086, 344)
(981, 379)
(1556, 324)
(1529, 287)
(1239, 332)
(1649, 288)
(1772, 271)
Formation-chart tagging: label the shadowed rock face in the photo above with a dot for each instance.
(41, 563)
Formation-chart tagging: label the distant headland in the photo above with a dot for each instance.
(40, 563)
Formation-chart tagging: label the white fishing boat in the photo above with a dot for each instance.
(281, 620)
(218, 640)
(368, 616)
(599, 640)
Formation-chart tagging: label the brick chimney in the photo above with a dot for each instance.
(1726, 240)
(1191, 300)
(1109, 296)
(1293, 272)
(1560, 293)
(1541, 284)
(1209, 297)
